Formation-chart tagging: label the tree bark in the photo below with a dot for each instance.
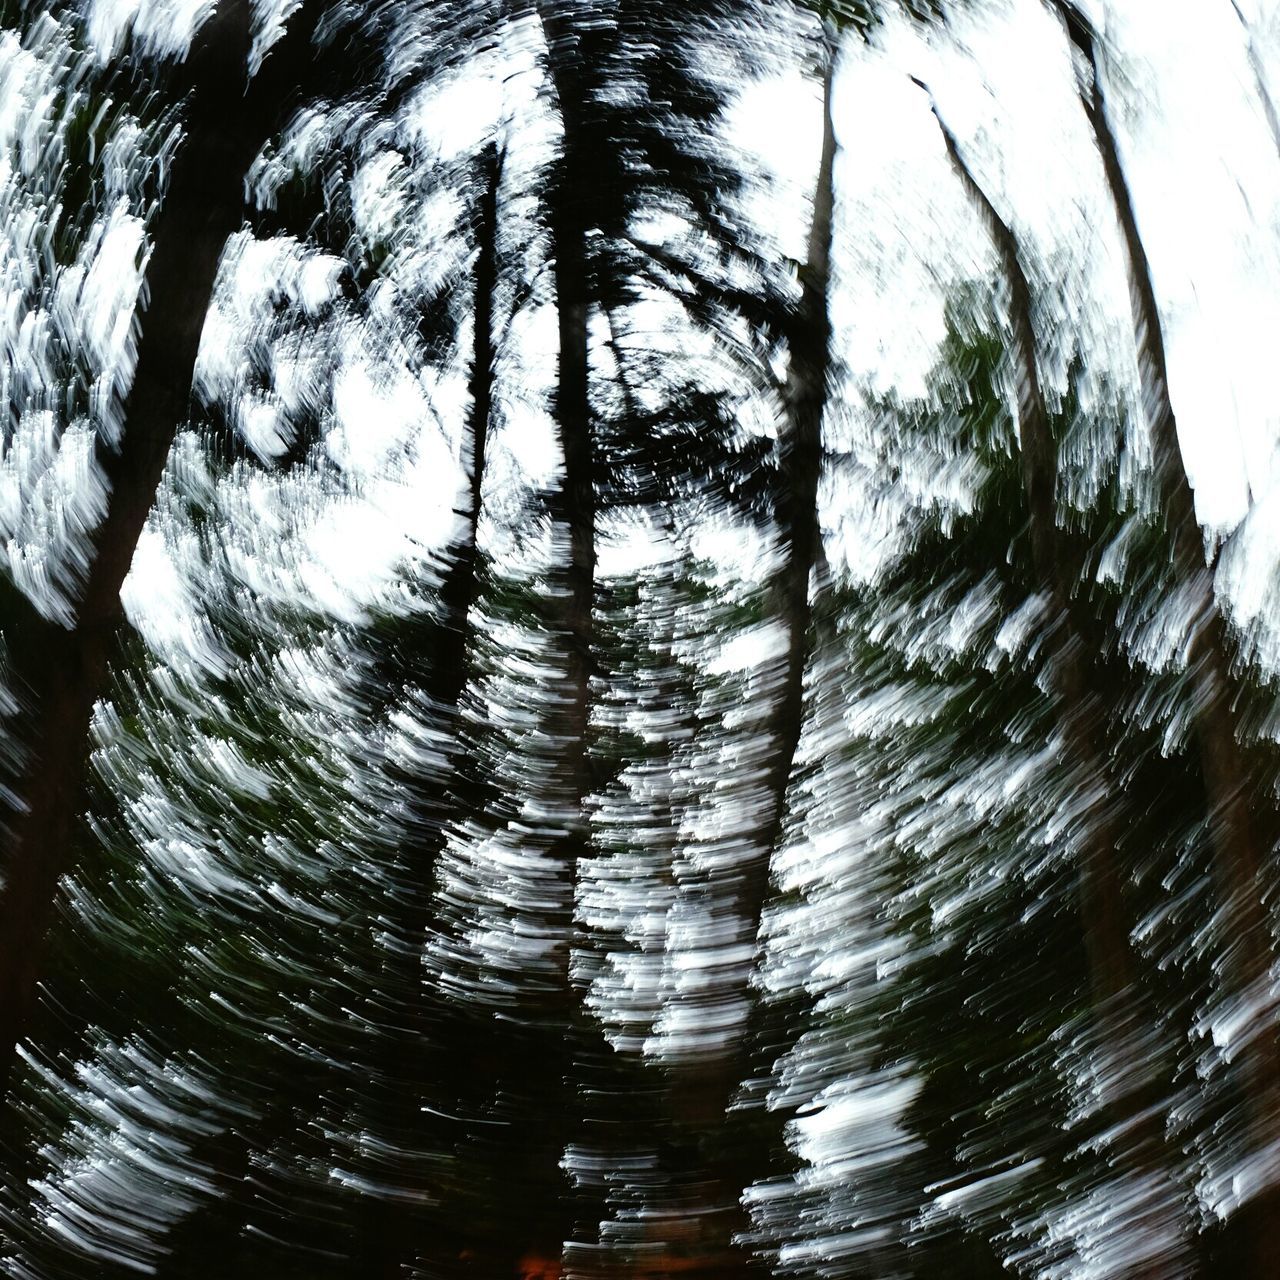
(1237, 853)
(396, 1226)
(574, 503)
(1106, 937)
(702, 1092)
(449, 670)
(1112, 972)
(557, 1015)
(59, 672)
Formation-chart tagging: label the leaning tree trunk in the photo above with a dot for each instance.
(397, 1226)
(1129, 1110)
(1237, 853)
(1259, 78)
(59, 671)
(703, 1091)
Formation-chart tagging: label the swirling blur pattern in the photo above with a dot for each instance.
(639, 639)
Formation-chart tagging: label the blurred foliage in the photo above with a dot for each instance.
(327, 997)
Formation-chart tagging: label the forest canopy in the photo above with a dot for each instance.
(639, 639)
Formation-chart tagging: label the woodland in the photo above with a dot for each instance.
(621, 650)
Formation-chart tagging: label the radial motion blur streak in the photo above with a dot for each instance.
(639, 640)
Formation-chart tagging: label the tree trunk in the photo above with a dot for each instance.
(1237, 855)
(574, 503)
(449, 672)
(59, 672)
(1260, 79)
(1103, 921)
(396, 1226)
(702, 1091)
(557, 1016)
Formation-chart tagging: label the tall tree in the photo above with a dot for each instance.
(522, 1037)
(573, 506)
(56, 668)
(1236, 824)
(435, 794)
(703, 1089)
(1129, 1107)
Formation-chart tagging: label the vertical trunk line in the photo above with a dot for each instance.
(1237, 857)
(574, 503)
(703, 1093)
(805, 400)
(449, 672)
(1237, 854)
(1106, 937)
(394, 1243)
(573, 510)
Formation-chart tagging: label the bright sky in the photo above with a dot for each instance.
(1204, 171)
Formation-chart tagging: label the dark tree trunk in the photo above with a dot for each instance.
(449, 670)
(1103, 918)
(57, 671)
(1237, 853)
(1106, 937)
(574, 503)
(397, 1226)
(555, 1017)
(703, 1091)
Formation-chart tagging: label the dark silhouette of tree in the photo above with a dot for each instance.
(59, 670)
(1236, 822)
(406, 1017)
(1131, 1104)
(706, 1090)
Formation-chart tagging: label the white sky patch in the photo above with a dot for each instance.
(405, 508)
(751, 647)
(95, 299)
(154, 595)
(497, 92)
(529, 439)
(160, 27)
(778, 121)
(352, 550)
(380, 198)
(455, 116)
(632, 547)
(378, 412)
(317, 281)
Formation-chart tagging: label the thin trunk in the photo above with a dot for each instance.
(702, 1093)
(397, 1225)
(1260, 79)
(558, 1016)
(1112, 972)
(458, 592)
(1237, 854)
(575, 501)
(1106, 938)
(59, 672)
